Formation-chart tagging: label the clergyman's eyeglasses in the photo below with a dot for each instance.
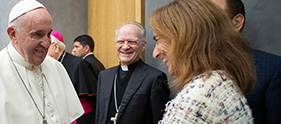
(131, 43)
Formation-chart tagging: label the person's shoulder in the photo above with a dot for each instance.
(73, 58)
(97, 63)
(4, 59)
(264, 60)
(2, 54)
(51, 62)
(148, 67)
(263, 54)
(216, 81)
(90, 57)
(151, 68)
(52, 65)
(109, 69)
(2, 51)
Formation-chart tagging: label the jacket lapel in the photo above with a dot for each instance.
(107, 89)
(135, 82)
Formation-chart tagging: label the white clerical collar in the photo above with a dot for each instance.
(17, 58)
(127, 67)
(87, 55)
(124, 68)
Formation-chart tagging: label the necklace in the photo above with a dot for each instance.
(42, 114)
(114, 119)
(62, 56)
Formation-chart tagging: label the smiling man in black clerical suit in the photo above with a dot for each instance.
(132, 92)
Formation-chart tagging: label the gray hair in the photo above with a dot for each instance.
(16, 24)
(61, 44)
(134, 23)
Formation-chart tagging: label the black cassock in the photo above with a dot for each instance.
(84, 82)
(95, 65)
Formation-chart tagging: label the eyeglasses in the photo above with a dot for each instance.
(131, 43)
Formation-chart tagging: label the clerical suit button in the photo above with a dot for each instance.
(52, 114)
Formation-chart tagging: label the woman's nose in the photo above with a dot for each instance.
(155, 53)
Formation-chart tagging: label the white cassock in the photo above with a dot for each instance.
(61, 104)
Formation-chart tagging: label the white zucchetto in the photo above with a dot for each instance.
(23, 7)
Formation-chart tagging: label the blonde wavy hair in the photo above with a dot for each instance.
(200, 38)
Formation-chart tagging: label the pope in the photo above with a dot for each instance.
(34, 88)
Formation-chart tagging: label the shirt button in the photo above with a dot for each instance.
(49, 104)
(41, 86)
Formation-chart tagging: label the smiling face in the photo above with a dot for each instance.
(32, 40)
(129, 53)
(160, 52)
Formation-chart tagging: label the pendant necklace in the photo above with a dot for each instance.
(114, 119)
(62, 56)
(42, 114)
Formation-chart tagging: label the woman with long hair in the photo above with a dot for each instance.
(211, 63)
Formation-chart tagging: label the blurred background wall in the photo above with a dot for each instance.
(263, 25)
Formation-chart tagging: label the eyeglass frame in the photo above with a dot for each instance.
(130, 42)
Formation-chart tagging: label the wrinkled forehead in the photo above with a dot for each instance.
(129, 32)
(36, 17)
(35, 21)
(39, 13)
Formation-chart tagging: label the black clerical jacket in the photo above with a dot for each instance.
(81, 76)
(79, 73)
(95, 64)
(144, 99)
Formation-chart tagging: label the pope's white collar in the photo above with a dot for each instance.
(17, 58)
